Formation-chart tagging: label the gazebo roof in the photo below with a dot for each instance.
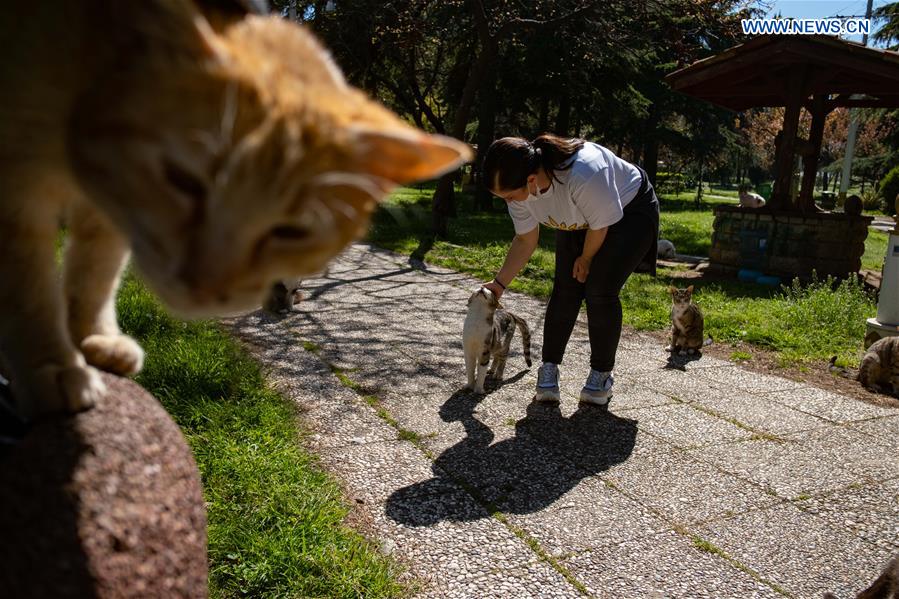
(756, 73)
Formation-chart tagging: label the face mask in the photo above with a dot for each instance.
(537, 192)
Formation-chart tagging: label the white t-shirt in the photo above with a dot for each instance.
(591, 194)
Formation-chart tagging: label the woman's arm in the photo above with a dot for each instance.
(592, 243)
(519, 253)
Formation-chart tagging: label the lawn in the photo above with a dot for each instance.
(800, 324)
(276, 520)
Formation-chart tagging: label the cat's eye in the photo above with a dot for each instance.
(290, 233)
(184, 181)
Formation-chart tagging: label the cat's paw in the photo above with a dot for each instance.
(118, 354)
(68, 389)
(479, 390)
(682, 353)
(669, 348)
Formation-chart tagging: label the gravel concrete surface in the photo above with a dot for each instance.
(702, 479)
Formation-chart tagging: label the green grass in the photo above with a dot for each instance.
(800, 324)
(875, 250)
(276, 520)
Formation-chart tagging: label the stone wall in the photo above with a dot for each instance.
(787, 245)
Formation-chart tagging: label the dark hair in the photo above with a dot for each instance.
(510, 160)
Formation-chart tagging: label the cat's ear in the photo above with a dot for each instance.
(690, 289)
(672, 289)
(407, 156)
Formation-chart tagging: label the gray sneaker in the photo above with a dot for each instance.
(548, 383)
(598, 388)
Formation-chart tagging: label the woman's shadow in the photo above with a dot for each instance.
(547, 457)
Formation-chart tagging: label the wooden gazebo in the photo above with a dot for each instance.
(818, 73)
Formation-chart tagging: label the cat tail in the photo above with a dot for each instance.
(525, 337)
(840, 370)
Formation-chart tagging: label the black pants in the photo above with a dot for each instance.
(629, 242)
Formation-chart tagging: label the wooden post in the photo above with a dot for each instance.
(813, 153)
(783, 169)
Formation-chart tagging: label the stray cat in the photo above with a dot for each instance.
(666, 249)
(225, 151)
(879, 368)
(686, 323)
(488, 331)
(885, 587)
(282, 296)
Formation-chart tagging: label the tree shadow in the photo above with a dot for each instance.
(547, 457)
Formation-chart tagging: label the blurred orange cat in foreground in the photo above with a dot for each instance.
(222, 151)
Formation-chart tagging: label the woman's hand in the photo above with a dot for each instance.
(581, 269)
(495, 287)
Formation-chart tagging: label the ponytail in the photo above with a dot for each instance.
(555, 152)
(510, 160)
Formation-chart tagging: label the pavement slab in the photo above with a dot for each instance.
(686, 426)
(664, 564)
(760, 413)
(797, 550)
(869, 511)
(701, 479)
(828, 405)
(788, 469)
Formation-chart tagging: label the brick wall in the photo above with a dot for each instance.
(788, 245)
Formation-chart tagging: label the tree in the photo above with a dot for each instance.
(888, 16)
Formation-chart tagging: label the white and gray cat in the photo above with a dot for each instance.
(488, 331)
(687, 323)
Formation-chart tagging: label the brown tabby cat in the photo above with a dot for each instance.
(226, 152)
(686, 322)
(879, 367)
(885, 587)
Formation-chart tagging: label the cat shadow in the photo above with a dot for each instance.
(679, 362)
(491, 384)
(547, 457)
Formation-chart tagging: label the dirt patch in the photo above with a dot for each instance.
(815, 374)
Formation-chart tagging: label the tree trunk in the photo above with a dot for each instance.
(442, 212)
(699, 186)
(543, 120)
(444, 201)
(563, 117)
(651, 145)
(486, 129)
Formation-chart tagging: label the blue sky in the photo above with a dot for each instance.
(819, 9)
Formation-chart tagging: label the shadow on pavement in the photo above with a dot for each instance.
(548, 456)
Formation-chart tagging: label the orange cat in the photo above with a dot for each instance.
(224, 152)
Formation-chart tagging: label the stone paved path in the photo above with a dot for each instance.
(701, 480)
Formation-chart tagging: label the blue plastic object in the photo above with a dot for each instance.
(768, 280)
(748, 276)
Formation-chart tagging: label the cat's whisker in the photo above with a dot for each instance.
(344, 208)
(322, 214)
(229, 114)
